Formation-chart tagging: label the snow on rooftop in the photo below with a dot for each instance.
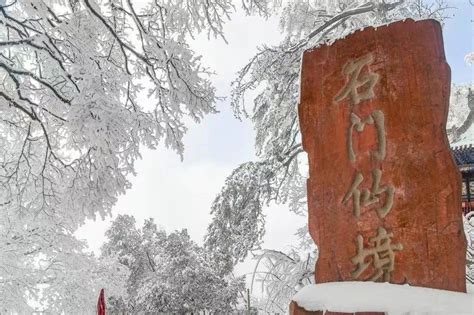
(393, 299)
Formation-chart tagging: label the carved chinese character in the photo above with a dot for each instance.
(376, 119)
(367, 197)
(382, 255)
(365, 82)
(354, 192)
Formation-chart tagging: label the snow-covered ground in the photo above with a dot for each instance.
(392, 299)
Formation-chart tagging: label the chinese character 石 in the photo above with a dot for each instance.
(377, 119)
(367, 197)
(365, 82)
(382, 255)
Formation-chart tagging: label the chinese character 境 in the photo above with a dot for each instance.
(382, 255)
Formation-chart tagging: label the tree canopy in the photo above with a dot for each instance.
(168, 273)
(84, 85)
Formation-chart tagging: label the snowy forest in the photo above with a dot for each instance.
(87, 85)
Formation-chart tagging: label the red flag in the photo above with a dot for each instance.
(101, 303)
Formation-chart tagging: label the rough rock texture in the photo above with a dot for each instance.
(392, 85)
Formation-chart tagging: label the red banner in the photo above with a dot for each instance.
(101, 303)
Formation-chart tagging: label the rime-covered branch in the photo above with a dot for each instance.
(83, 85)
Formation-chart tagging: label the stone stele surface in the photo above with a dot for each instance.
(384, 191)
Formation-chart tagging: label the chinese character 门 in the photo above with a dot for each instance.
(377, 119)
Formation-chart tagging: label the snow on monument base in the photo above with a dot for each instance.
(391, 299)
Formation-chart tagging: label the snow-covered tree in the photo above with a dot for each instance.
(280, 276)
(279, 175)
(84, 84)
(469, 230)
(81, 280)
(168, 273)
(461, 111)
(55, 278)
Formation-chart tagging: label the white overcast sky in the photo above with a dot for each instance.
(179, 194)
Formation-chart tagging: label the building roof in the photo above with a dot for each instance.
(464, 157)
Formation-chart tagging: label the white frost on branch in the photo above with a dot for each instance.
(469, 231)
(83, 85)
(281, 276)
(469, 58)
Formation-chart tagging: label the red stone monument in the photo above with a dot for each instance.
(384, 191)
